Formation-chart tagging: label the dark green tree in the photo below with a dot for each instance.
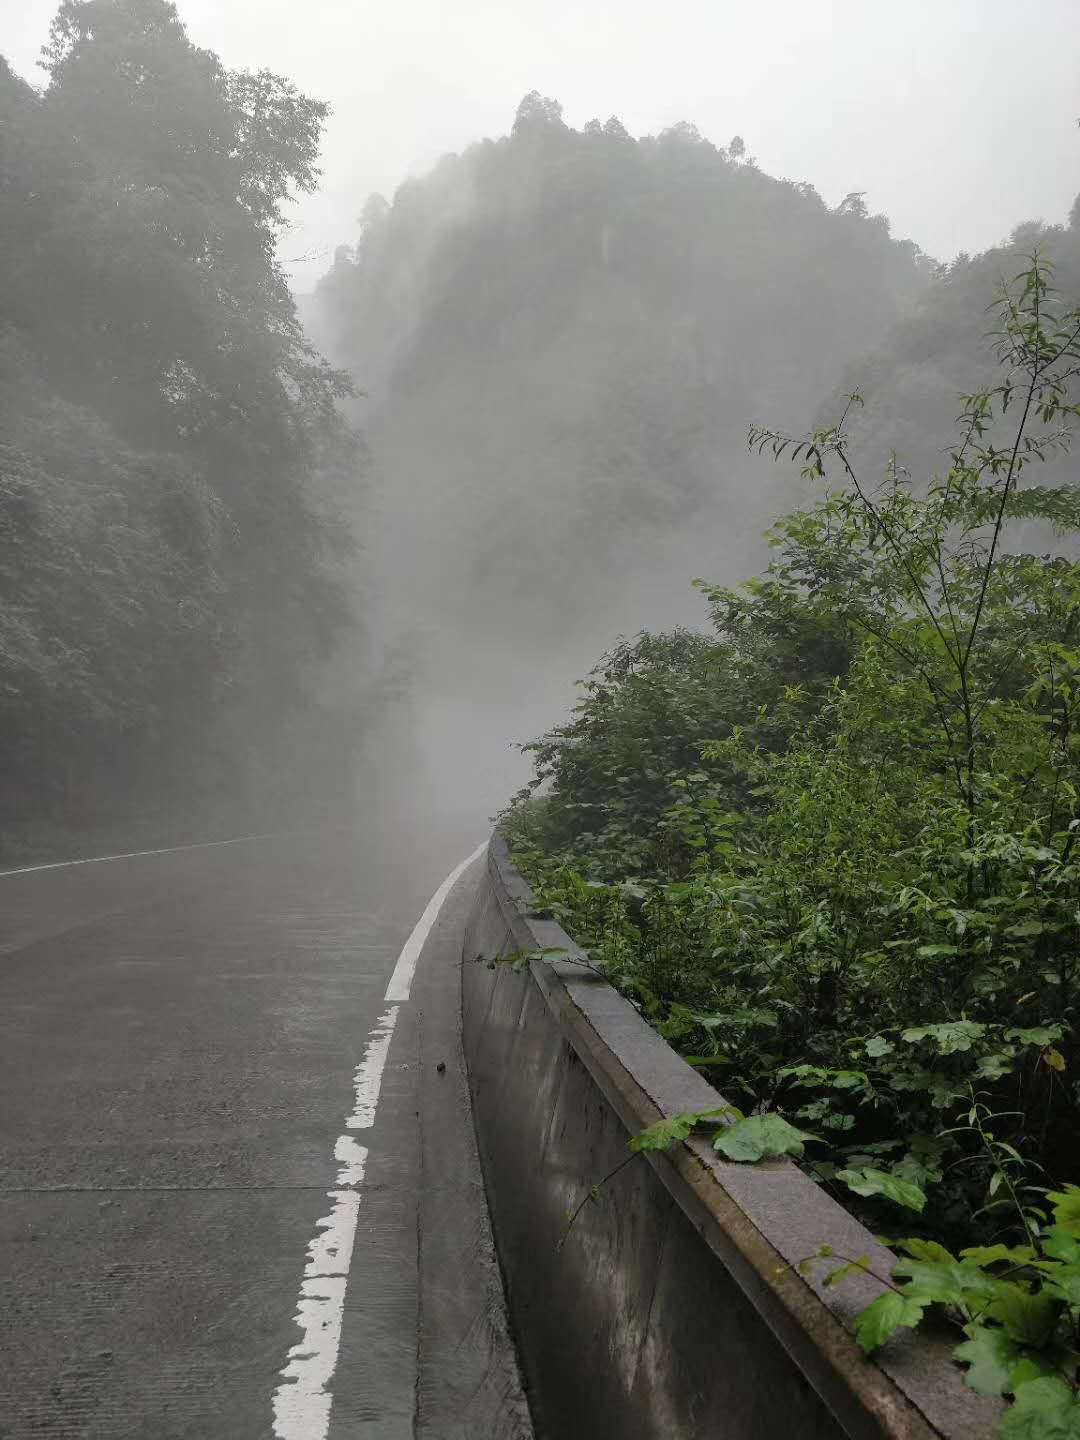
(142, 194)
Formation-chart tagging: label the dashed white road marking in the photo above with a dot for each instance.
(303, 1400)
(352, 1158)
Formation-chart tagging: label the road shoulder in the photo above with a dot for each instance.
(424, 1245)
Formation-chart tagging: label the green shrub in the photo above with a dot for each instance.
(829, 850)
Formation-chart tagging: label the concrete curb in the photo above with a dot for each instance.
(673, 1306)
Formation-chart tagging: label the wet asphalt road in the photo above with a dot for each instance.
(178, 1035)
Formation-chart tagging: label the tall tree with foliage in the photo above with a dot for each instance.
(144, 305)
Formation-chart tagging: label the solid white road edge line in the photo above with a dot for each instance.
(400, 986)
(167, 850)
(303, 1399)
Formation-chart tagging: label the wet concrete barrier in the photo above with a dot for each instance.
(672, 1307)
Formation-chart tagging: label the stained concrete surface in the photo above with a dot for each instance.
(178, 1035)
(673, 1305)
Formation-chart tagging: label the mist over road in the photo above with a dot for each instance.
(178, 1039)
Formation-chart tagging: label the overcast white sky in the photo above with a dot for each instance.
(957, 117)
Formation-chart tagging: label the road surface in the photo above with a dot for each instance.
(202, 1096)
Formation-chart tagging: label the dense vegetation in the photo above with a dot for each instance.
(560, 333)
(909, 384)
(168, 439)
(829, 848)
(830, 851)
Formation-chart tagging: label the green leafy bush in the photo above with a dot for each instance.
(830, 850)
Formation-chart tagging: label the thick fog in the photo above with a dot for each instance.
(560, 257)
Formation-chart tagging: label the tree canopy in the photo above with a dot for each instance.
(163, 421)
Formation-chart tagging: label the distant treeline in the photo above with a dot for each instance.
(167, 436)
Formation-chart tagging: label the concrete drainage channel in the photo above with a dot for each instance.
(673, 1307)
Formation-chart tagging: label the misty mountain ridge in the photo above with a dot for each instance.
(562, 336)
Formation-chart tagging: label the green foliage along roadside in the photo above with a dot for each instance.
(166, 579)
(830, 850)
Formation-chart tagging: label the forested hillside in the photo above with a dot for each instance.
(167, 437)
(558, 339)
(911, 383)
(563, 336)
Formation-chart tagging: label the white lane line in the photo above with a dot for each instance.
(167, 850)
(303, 1399)
(400, 986)
(368, 1076)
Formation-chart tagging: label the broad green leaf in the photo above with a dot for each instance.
(878, 1046)
(664, 1133)
(953, 1283)
(991, 1254)
(925, 1250)
(991, 1356)
(1061, 1244)
(1043, 1409)
(917, 1170)
(885, 1315)
(1066, 1205)
(949, 1038)
(1026, 930)
(672, 1128)
(1029, 1319)
(805, 1074)
(1031, 1367)
(759, 1136)
(879, 1182)
(1040, 1035)
(996, 1065)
